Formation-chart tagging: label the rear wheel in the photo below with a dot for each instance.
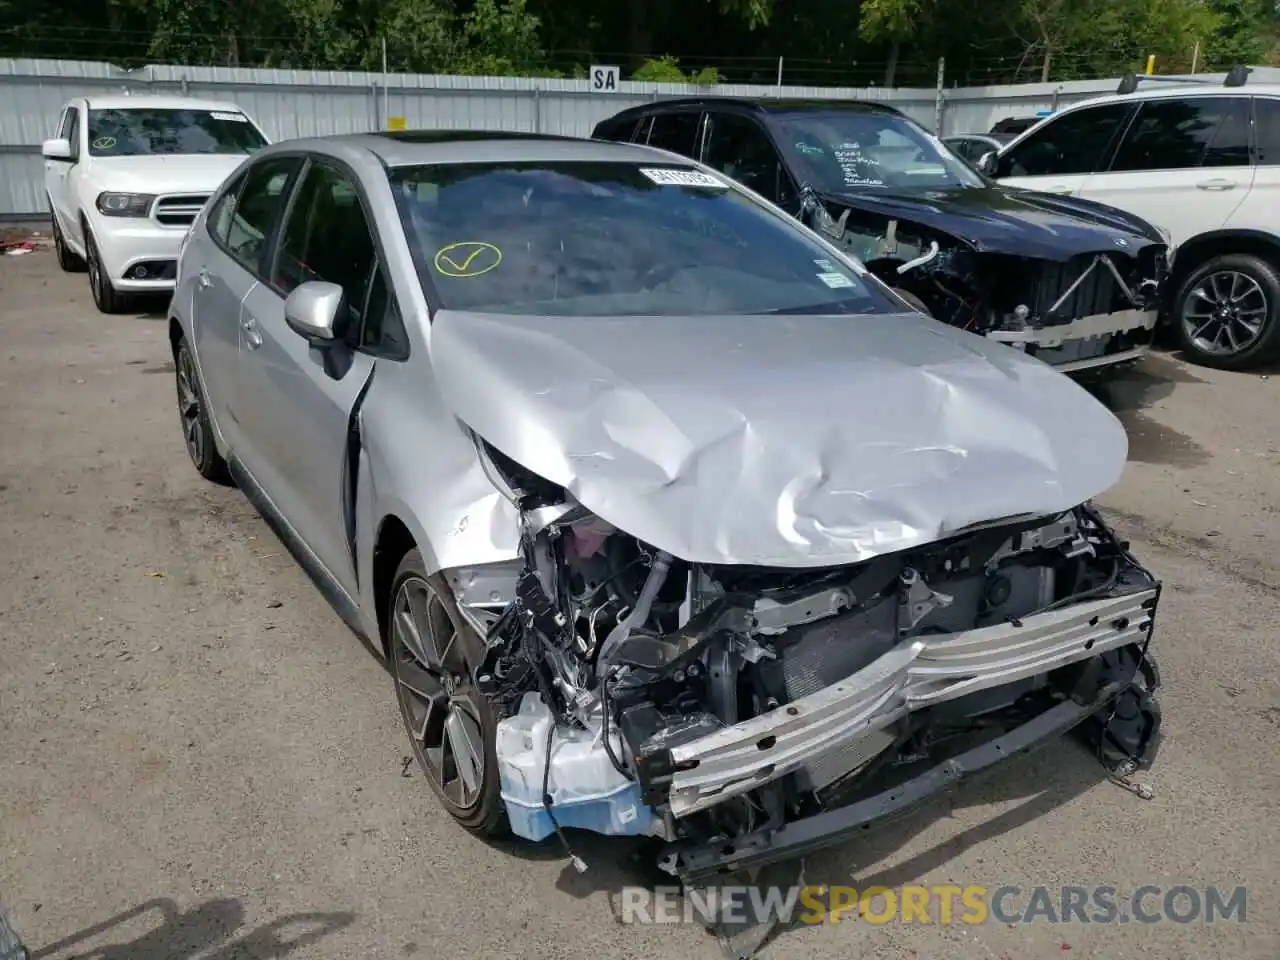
(197, 432)
(105, 296)
(1227, 312)
(452, 726)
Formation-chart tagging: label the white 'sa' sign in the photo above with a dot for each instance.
(604, 79)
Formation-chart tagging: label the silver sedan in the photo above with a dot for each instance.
(667, 517)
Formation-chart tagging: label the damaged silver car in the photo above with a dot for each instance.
(669, 518)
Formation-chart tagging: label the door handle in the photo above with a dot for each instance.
(1216, 184)
(1058, 188)
(204, 279)
(252, 338)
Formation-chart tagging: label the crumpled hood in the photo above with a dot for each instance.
(776, 440)
(1002, 220)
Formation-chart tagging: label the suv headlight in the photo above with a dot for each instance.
(125, 204)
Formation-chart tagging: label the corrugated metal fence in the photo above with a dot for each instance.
(293, 103)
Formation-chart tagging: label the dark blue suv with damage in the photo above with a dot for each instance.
(1075, 283)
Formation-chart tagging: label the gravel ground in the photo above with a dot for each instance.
(200, 762)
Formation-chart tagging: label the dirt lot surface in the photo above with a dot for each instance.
(199, 761)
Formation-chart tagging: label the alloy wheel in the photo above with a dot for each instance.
(435, 696)
(1225, 313)
(193, 432)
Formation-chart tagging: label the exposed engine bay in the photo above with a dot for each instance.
(1094, 309)
(717, 707)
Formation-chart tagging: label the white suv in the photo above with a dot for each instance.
(127, 175)
(1203, 161)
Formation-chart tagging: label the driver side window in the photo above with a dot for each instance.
(739, 147)
(1077, 142)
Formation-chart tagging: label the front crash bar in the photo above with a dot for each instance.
(918, 673)
(823, 830)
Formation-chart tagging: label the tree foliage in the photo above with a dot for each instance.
(850, 42)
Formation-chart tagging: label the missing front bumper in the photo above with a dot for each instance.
(802, 837)
(1088, 342)
(919, 673)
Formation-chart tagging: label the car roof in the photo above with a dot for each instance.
(762, 105)
(1179, 91)
(120, 101)
(410, 148)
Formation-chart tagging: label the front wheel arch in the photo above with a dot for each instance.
(1194, 252)
(391, 545)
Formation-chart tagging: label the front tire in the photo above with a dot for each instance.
(197, 431)
(452, 727)
(1227, 313)
(105, 296)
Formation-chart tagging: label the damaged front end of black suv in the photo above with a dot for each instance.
(1075, 284)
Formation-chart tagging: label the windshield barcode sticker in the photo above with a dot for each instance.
(233, 117)
(835, 280)
(667, 177)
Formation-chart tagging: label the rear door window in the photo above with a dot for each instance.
(1184, 133)
(677, 132)
(1075, 143)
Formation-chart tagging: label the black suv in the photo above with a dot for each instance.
(1073, 282)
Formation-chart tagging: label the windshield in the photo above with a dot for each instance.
(614, 239)
(856, 150)
(133, 132)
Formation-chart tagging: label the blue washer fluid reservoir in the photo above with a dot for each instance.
(586, 791)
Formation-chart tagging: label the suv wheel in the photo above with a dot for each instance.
(1227, 312)
(105, 297)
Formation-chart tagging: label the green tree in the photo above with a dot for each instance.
(500, 39)
(893, 22)
(1245, 33)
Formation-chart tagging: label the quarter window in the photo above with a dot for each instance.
(677, 132)
(383, 330)
(1075, 143)
(1186, 132)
